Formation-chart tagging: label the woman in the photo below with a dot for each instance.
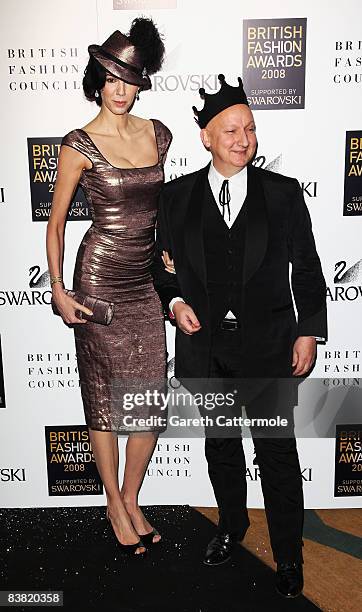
(118, 159)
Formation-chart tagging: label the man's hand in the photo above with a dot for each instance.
(186, 319)
(304, 352)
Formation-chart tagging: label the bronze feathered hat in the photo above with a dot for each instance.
(122, 59)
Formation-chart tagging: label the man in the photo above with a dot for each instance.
(232, 230)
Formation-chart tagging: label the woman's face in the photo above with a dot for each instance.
(117, 95)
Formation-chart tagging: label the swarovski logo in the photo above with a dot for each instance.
(12, 474)
(38, 294)
(309, 188)
(343, 276)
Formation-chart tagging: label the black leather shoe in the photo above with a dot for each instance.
(289, 579)
(219, 549)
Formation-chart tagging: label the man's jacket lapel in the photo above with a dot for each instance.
(194, 244)
(256, 238)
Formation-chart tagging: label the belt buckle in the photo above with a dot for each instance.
(229, 324)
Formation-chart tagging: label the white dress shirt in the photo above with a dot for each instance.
(238, 184)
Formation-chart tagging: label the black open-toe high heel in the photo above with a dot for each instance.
(128, 549)
(147, 538)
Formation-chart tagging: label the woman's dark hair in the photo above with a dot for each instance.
(93, 80)
(145, 36)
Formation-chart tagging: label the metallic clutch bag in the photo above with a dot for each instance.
(102, 309)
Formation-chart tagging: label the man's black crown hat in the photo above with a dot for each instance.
(215, 103)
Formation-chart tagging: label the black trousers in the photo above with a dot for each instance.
(278, 462)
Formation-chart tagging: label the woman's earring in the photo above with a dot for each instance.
(96, 95)
(138, 94)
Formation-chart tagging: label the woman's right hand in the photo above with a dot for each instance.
(168, 262)
(67, 306)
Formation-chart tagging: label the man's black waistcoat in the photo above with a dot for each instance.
(224, 255)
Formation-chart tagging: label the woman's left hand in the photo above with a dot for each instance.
(169, 266)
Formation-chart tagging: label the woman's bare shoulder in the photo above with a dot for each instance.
(90, 127)
(141, 124)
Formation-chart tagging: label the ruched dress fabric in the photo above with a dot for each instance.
(114, 263)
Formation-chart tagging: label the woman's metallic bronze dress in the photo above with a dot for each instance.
(114, 263)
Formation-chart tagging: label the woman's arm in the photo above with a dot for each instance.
(70, 167)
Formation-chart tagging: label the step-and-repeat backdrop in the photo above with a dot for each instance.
(302, 70)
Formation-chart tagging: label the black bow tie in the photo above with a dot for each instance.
(224, 197)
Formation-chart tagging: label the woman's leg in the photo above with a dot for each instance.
(139, 449)
(105, 450)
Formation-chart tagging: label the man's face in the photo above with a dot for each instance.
(231, 138)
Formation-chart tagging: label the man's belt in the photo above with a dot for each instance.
(230, 324)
